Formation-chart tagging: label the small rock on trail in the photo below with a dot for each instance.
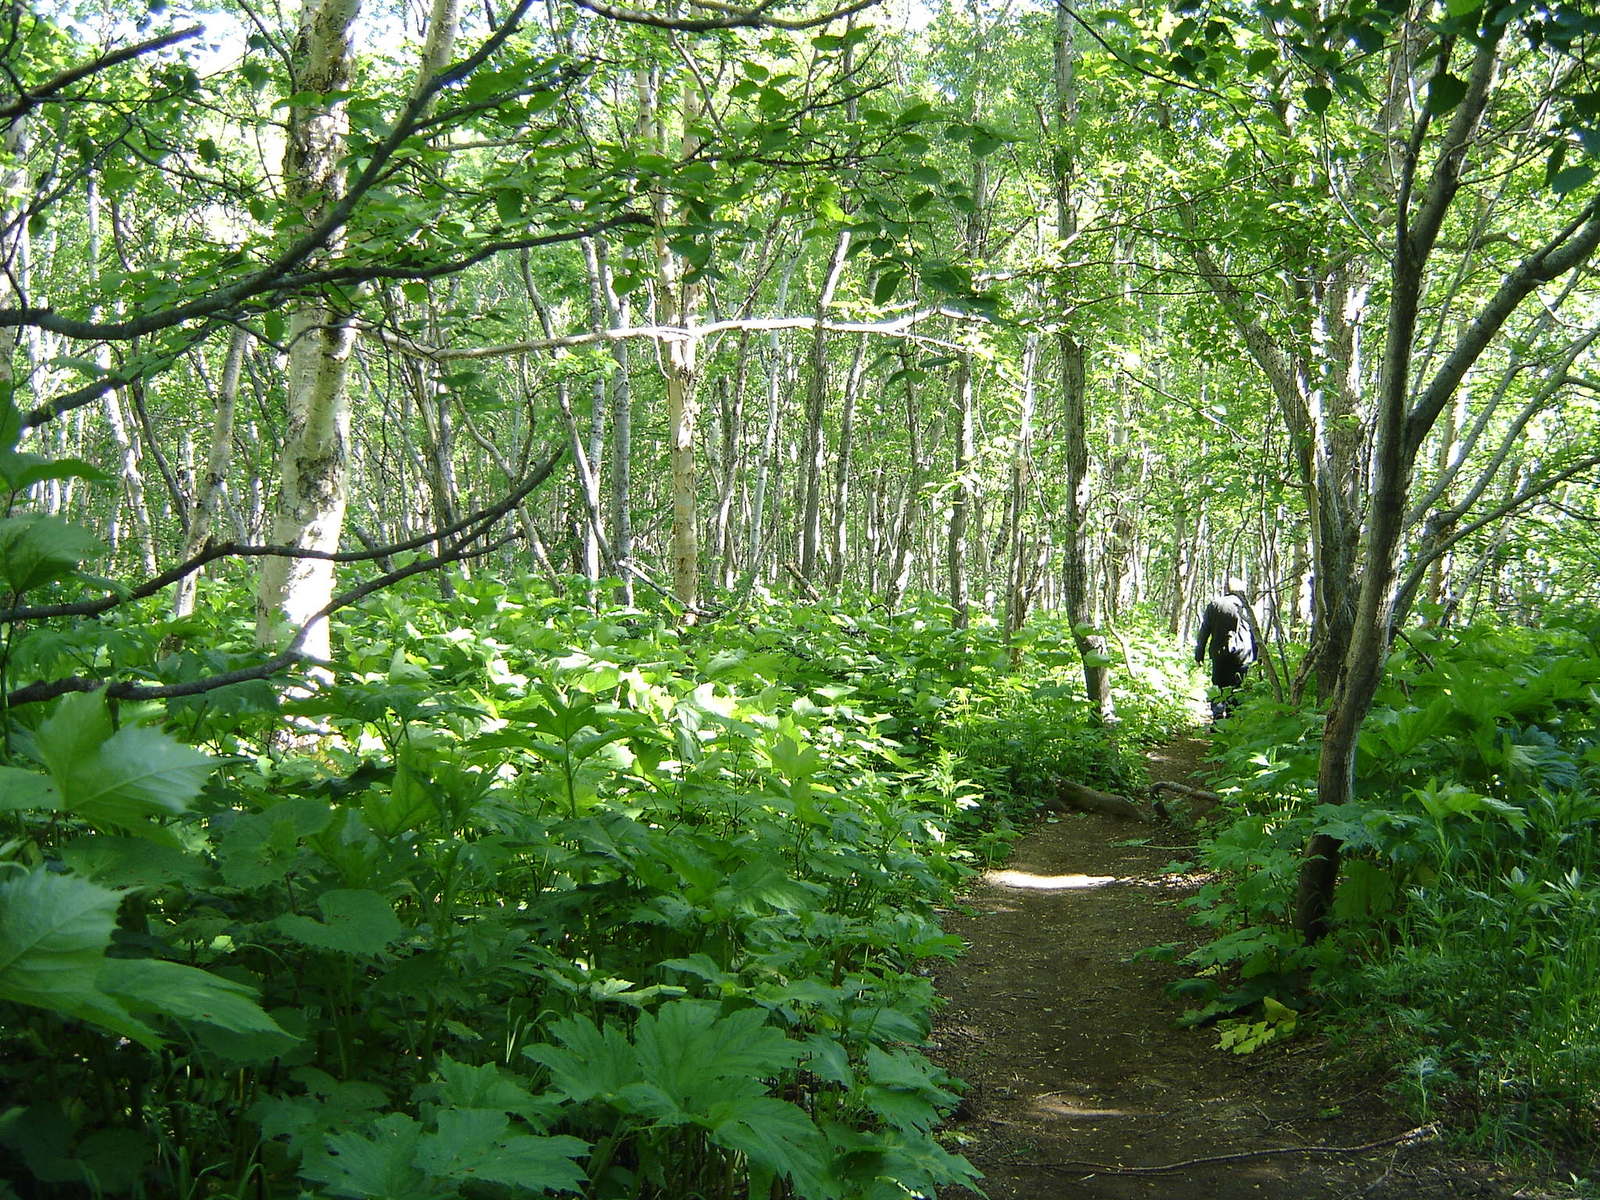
(1076, 1064)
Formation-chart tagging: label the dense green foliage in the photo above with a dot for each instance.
(1036, 307)
(1468, 936)
(538, 899)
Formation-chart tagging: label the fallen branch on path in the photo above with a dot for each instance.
(1422, 1133)
(1183, 789)
(1078, 798)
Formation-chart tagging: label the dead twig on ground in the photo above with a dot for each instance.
(1421, 1133)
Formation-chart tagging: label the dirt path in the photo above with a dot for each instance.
(1074, 1059)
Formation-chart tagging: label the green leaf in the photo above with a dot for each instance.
(886, 286)
(21, 470)
(21, 789)
(125, 862)
(185, 994)
(477, 1143)
(1571, 179)
(355, 921)
(776, 1135)
(380, 1166)
(54, 930)
(1445, 92)
(508, 204)
(486, 1086)
(118, 779)
(1462, 8)
(902, 1090)
(260, 848)
(1317, 98)
(587, 1061)
(37, 549)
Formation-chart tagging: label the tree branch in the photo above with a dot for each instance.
(1568, 249)
(472, 526)
(898, 327)
(36, 693)
(734, 17)
(275, 275)
(29, 100)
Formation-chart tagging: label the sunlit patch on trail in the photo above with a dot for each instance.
(1049, 883)
(1063, 1104)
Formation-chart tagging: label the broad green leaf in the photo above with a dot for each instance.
(902, 1090)
(1445, 92)
(21, 470)
(587, 1061)
(10, 419)
(22, 789)
(37, 549)
(462, 1085)
(1571, 178)
(117, 779)
(775, 1134)
(379, 1164)
(54, 930)
(125, 862)
(1317, 98)
(260, 848)
(355, 921)
(699, 1058)
(477, 1143)
(185, 993)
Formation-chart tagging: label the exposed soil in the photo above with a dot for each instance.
(1080, 1079)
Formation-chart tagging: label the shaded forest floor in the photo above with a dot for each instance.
(1080, 1080)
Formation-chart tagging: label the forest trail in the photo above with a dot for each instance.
(1074, 1059)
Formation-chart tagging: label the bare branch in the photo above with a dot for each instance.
(470, 527)
(901, 327)
(733, 17)
(35, 693)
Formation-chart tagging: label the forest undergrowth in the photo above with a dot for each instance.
(545, 896)
(1465, 960)
(539, 899)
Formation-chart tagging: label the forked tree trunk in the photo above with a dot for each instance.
(1403, 424)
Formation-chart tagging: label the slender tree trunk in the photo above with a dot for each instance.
(1021, 473)
(1077, 594)
(766, 469)
(842, 468)
(960, 492)
(606, 307)
(312, 472)
(208, 496)
(813, 445)
(128, 468)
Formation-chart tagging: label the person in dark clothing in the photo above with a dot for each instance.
(1228, 627)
